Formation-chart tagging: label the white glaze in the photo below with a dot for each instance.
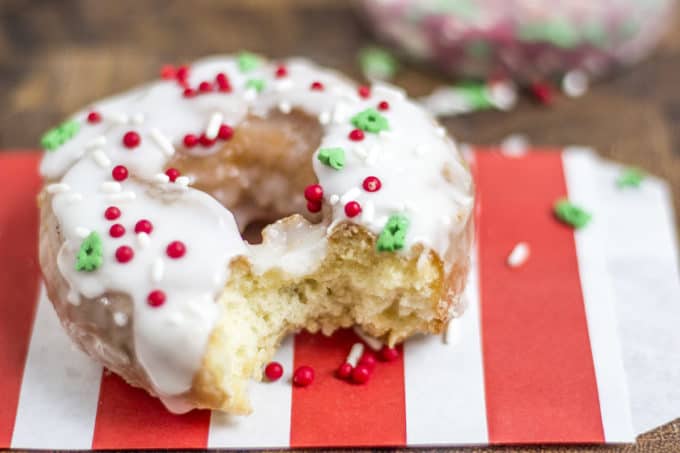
(170, 340)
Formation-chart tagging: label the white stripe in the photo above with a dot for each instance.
(269, 424)
(581, 176)
(444, 383)
(59, 391)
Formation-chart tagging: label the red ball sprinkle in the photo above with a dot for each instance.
(372, 184)
(190, 140)
(314, 206)
(384, 105)
(182, 73)
(352, 209)
(316, 86)
(205, 141)
(189, 92)
(94, 117)
(156, 298)
(314, 192)
(273, 371)
(361, 374)
(356, 135)
(225, 132)
(223, 83)
(303, 376)
(205, 87)
(119, 173)
(368, 359)
(116, 230)
(364, 91)
(176, 249)
(124, 254)
(388, 354)
(131, 139)
(172, 173)
(112, 213)
(168, 72)
(281, 71)
(542, 92)
(143, 226)
(344, 371)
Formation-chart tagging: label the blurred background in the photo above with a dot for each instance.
(57, 56)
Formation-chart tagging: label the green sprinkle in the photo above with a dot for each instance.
(257, 84)
(377, 63)
(571, 214)
(476, 95)
(393, 236)
(333, 157)
(630, 177)
(248, 61)
(90, 256)
(59, 135)
(370, 121)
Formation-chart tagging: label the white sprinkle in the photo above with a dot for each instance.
(110, 187)
(119, 118)
(161, 178)
(355, 354)
(58, 187)
(96, 143)
(82, 232)
(250, 95)
(373, 155)
(575, 83)
(143, 239)
(372, 343)
(350, 195)
(368, 212)
(333, 199)
(340, 113)
(503, 95)
(515, 145)
(214, 125)
(182, 181)
(138, 118)
(519, 255)
(420, 150)
(157, 270)
(283, 85)
(360, 151)
(122, 196)
(74, 197)
(285, 107)
(441, 132)
(324, 118)
(163, 142)
(100, 158)
(120, 319)
(452, 334)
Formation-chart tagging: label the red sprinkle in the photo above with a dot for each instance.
(273, 371)
(225, 132)
(93, 117)
(314, 206)
(131, 139)
(372, 184)
(368, 360)
(361, 374)
(352, 209)
(205, 87)
(119, 173)
(172, 173)
(388, 354)
(156, 298)
(364, 91)
(205, 141)
(189, 92)
(182, 73)
(116, 230)
(356, 135)
(112, 213)
(223, 83)
(344, 371)
(190, 140)
(314, 192)
(168, 72)
(384, 105)
(303, 376)
(316, 86)
(542, 92)
(143, 226)
(124, 254)
(281, 71)
(176, 249)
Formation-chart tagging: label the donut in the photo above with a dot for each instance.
(366, 202)
(528, 40)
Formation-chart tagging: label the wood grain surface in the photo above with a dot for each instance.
(56, 56)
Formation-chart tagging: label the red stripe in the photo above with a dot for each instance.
(19, 184)
(538, 367)
(336, 413)
(128, 417)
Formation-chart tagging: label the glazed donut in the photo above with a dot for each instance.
(528, 40)
(368, 205)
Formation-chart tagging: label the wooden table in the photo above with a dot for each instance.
(56, 56)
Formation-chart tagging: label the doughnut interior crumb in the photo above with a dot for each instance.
(390, 295)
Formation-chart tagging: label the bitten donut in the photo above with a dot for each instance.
(367, 201)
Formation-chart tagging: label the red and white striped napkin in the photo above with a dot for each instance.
(557, 350)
